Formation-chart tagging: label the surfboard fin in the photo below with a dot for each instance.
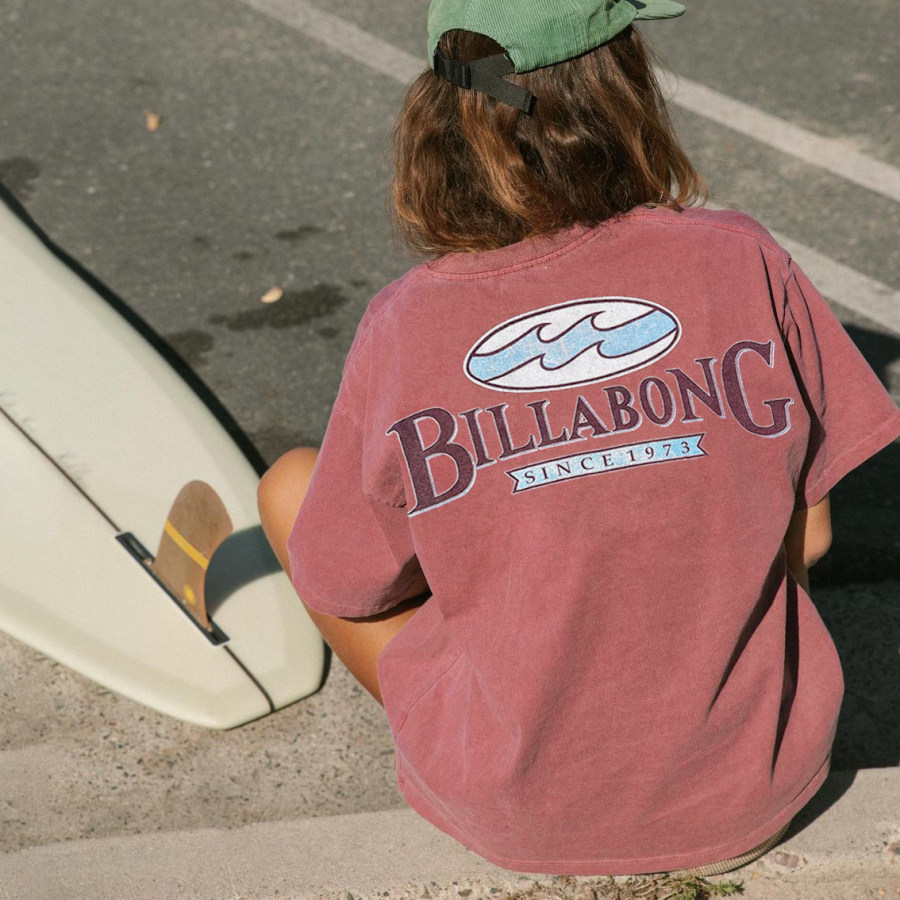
(197, 524)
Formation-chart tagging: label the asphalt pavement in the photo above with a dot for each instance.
(193, 156)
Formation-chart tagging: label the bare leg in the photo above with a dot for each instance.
(356, 641)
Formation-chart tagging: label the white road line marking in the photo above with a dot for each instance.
(343, 36)
(850, 288)
(827, 153)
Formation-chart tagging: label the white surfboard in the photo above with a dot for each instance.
(98, 434)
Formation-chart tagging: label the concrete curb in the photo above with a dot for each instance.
(844, 845)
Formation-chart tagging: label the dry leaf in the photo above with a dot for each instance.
(272, 295)
(152, 119)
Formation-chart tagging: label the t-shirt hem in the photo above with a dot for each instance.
(850, 459)
(608, 865)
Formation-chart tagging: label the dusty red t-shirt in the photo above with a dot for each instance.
(588, 447)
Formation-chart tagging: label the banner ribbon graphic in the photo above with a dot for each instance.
(625, 456)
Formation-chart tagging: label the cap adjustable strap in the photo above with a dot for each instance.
(485, 75)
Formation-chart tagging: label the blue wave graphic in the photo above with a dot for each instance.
(611, 343)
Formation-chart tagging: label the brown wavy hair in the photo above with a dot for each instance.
(473, 174)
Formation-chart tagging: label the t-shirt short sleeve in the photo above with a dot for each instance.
(852, 415)
(351, 555)
(351, 552)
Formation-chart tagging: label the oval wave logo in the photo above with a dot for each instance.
(573, 343)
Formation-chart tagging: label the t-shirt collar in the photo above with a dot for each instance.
(526, 252)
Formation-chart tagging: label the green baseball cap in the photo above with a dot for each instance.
(534, 33)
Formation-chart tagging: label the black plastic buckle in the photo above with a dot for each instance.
(486, 75)
(452, 70)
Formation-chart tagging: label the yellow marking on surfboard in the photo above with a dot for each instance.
(189, 595)
(186, 545)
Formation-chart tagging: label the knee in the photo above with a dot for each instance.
(283, 486)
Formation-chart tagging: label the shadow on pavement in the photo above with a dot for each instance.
(864, 615)
(865, 506)
(835, 787)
